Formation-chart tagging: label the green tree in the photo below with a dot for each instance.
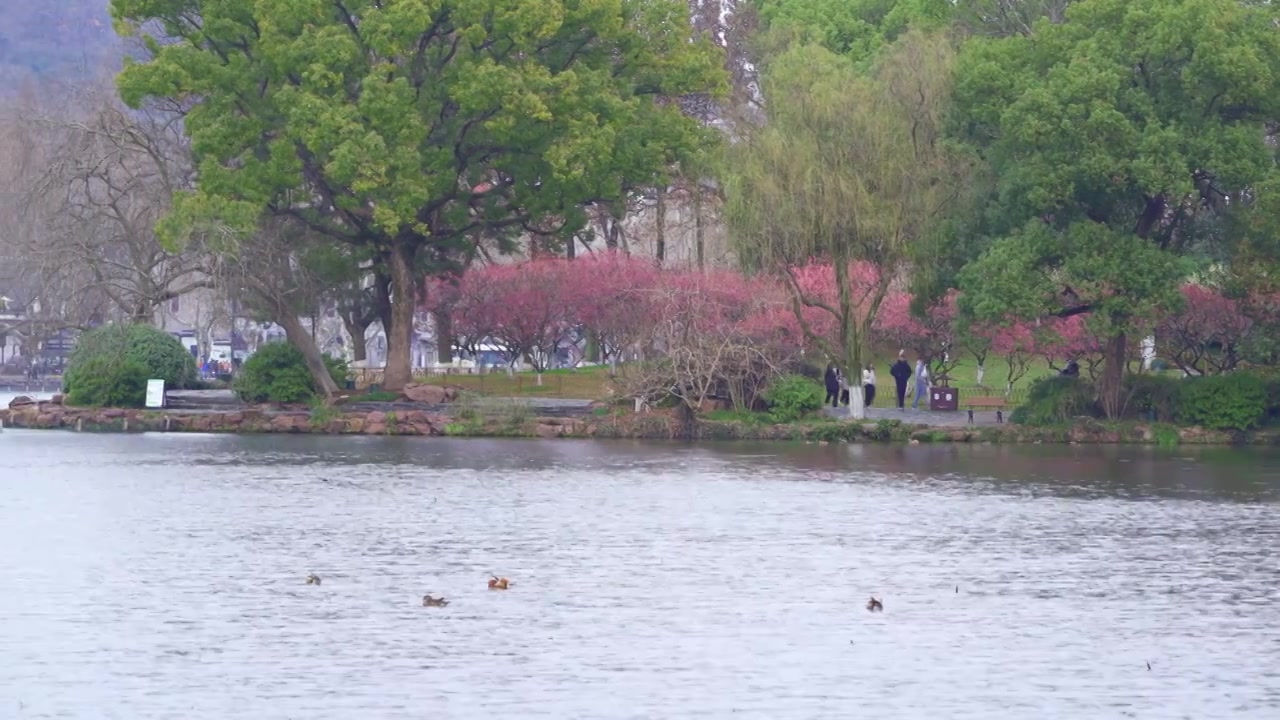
(409, 126)
(850, 168)
(857, 29)
(1113, 135)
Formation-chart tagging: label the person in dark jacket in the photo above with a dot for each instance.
(901, 373)
(832, 381)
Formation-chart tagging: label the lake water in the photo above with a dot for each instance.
(163, 576)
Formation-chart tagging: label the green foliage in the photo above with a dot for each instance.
(793, 397)
(1166, 436)
(1117, 139)
(887, 429)
(855, 28)
(104, 381)
(1160, 394)
(378, 396)
(851, 167)
(834, 432)
(322, 413)
(1055, 400)
(1237, 401)
(278, 373)
(390, 105)
(159, 353)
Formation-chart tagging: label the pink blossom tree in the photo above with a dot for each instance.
(1205, 335)
(835, 306)
(1014, 341)
(523, 308)
(1061, 340)
(932, 336)
(715, 334)
(613, 296)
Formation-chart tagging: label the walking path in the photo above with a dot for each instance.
(959, 418)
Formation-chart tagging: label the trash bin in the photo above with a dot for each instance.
(350, 384)
(944, 399)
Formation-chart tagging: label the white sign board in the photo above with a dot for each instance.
(155, 393)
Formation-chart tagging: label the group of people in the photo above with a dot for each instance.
(901, 372)
(211, 368)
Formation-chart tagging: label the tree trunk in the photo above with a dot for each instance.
(699, 232)
(359, 345)
(660, 221)
(1113, 376)
(404, 297)
(850, 334)
(382, 296)
(444, 336)
(306, 344)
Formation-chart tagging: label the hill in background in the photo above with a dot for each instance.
(59, 41)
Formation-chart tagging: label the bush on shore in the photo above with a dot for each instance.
(1240, 400)
(116, 352)
(793, 397)
(278, 373)
(104, 381)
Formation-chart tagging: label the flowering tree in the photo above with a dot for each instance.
(1061, 340)
(1205, 336)
(467, 302)
(1016, 343)
(613, 297)
(835, 310)
(933, 336)
(715, 334)
(523, 308)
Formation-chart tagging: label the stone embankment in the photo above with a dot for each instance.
(414, 418)
(547, 418)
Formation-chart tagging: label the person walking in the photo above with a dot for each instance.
(868, 385)
(922, 384)
(832, 381)
(901, 373)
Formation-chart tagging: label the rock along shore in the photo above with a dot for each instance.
(581, 420)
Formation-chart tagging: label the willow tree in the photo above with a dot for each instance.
(850, 168)
(412, 127)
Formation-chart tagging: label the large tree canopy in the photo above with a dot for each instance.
(414, 125)
(851, 169)
(1113, 136)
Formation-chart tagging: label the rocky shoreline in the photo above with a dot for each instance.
(411, 419)
(581, 421)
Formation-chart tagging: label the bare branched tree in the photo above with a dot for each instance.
(94, 182)
(283, 273)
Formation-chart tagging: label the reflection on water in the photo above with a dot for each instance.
(163, 576)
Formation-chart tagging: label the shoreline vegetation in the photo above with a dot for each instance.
(494, 419)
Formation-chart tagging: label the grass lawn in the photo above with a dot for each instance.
(593, 383)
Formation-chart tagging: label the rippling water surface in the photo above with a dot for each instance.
(162, 576)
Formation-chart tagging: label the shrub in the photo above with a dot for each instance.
(104, 381)
(1154, 393)
(278, 373)
(1055, 400)
(1224, 402)
(159, 353)
(792, 397)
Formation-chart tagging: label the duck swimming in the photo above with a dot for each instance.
(497, 583)
(313, 579)
(429, 601)
(875, 605)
